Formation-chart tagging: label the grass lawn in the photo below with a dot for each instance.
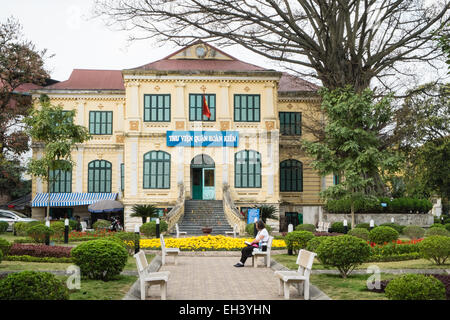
(289, 262)
(101, 290)
(352, 288)
(9, 236)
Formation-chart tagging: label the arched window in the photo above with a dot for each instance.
(60, 181)
(291, 176)
(247, 169)
(99, 176)
(157, 170)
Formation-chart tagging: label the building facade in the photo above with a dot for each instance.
(152, 144)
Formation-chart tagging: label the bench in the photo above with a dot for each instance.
(300, 278)
(234, 232)
(259, 253)
(177, 229)
(168, 251)
(147, 279)
(323, 226)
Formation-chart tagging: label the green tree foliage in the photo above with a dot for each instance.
(352, 146)
(267, 211)
(54, 129)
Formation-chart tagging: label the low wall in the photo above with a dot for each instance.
(422, 220)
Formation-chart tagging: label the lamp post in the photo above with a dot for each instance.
(392, 220)
(345, 226)
(66, 230)
(47, 236)
(372, 224)
(290, 229)
(137, 239)
(157, 228)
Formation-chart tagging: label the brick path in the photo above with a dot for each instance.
(215, 278)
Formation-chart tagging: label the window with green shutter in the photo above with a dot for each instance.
(291, 123)
(247, 107)
(196, 104)
(247, 169)
(157, 170)
(100, 122)
(60, 181)
(99, 176)
(291, 176)
(157, 107)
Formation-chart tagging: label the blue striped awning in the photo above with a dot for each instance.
(70, 199)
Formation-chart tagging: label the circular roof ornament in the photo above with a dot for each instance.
(200, 51)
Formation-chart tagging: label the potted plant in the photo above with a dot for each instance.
(144, 211)
(207, 229)
(267, 212)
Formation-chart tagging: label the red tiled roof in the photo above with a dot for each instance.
(289, 83)
(83, 79)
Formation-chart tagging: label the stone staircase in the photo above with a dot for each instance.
(202, 213)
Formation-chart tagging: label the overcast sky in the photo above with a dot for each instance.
(66, 29)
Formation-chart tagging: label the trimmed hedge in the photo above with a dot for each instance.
(3, 226)
(5, 246)
(414, 232)
(100, 259)
(361, 233)
(26, 258)
(415, 287)
(21, 228)
(32, 285)
(339, 227)
(39, 232)
(250, 227)
(437, 225)
(101, 224)
(40, 251)
(381, 235)
(297, 240)
(365, 226)
(447, 226)
(395, 257)
(306, 227)
(149, 229)
(398, 205)
(343, 252)
(435, 249)
(437, 232)
(395, 226)
(128, 239)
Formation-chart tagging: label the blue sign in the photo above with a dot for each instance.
(383, 204)
(202, 138)
(251, 215)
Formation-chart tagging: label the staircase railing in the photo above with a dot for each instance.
(177, 211)
(231, 212)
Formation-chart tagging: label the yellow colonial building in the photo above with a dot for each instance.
(152, 144)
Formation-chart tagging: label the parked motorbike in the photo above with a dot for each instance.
(115, 225)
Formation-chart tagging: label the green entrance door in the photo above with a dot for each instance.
(197, 184)
(203, 178)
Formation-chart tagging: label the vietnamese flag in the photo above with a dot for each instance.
(205, 108)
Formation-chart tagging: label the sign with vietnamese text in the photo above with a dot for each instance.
(202, 138)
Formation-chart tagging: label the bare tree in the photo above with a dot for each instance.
(343, 42)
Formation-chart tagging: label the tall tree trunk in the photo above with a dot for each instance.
(144, 220)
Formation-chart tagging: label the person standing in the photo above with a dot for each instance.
(260, 241)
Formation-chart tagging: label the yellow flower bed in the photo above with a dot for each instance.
(203, 243)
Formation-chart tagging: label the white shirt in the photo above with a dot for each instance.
(264, 233)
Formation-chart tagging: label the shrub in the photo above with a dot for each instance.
(39, 232)
(58, 228)
(32, 285)
(380, 235)
(40, 250)
(101, 224)
(27, 258)
(22, 227)
(3, 226)
(306, 227)
(339, 227)
(1, 256)
(343, 252)
(129, 239)
(361, 233)
(415, 287)
(314, 243)
(437, 232)
(447, 226)
(364, 225)
(414, 232)
(437, 225)
(395, 226)
(298, 239)
(100, 259)
(5, 246)
(149, 229)
(435, 248)
(398, 205)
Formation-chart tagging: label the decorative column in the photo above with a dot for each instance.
(133, 168)
(79, 170)
(119, 162)
(81, 103)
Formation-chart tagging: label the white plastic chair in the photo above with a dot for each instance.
(319, 226)
(147, 279)
(266, 254)
(300, 278)
(168, 251)
(234, 232)
(83, 226)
